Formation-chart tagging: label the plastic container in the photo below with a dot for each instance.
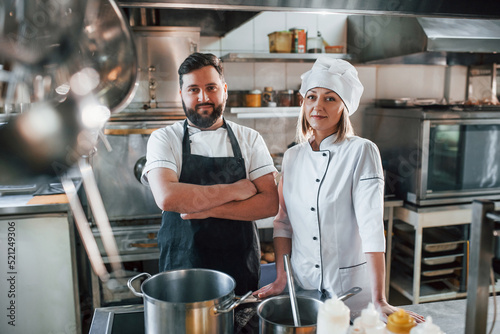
(333, 317)
(280, 41)
(400, 322)
(426, 327)
(334, 49)
(253, 98)
(369, 322)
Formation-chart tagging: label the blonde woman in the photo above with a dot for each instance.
(331, 196)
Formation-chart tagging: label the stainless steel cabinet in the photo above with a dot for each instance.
(39, 276)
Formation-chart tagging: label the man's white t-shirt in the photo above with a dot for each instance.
(164, 149)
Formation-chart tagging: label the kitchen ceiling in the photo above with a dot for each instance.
(217, 17)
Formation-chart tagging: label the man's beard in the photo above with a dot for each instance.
(203, 120)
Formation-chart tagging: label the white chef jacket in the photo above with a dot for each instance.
(164, 149)
(333, 212)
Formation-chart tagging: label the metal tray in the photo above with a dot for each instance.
(444, 270)
(426, 258)
(437, 260)
(429, 271)
(441, 247)
(433, 240)
(17, 189)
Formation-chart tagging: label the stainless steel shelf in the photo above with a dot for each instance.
(281, 57)
(265, 112)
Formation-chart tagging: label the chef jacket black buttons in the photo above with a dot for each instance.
(317, 266)
(324, 154)
(313, 209)
(315, 238)
(317, 180)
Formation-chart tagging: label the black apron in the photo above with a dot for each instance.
(225, 245)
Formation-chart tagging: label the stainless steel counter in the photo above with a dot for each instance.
(17, 205)
(448, 315)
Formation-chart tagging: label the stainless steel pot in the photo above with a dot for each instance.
(195, 301)
(275, 315)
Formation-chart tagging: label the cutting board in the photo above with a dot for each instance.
(48, 199)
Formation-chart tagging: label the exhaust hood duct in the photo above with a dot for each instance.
(390, 39)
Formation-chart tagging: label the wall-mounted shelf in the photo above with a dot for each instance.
(265, 112)
(281, 57)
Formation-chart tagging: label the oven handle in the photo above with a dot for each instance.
(129, 283)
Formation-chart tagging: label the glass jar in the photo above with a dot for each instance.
(268, 97)
(297, 98)
(285, 98)
(253, 98)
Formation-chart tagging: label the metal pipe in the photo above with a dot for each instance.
(481, 255)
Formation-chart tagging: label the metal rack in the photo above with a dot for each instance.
(420, 218)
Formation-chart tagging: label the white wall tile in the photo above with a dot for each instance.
(240, 39)
(414, 81)
(333, 28)
(291, 129)
(210, 44)
(273, 131)
(307, 21)
(368, 77)
(264, 24)
(239, 76)
(270, 75)
(293, 73)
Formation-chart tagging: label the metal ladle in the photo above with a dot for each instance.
(291, 290)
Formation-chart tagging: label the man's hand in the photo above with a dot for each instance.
(243, 189)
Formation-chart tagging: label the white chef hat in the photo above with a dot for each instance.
(337, 75)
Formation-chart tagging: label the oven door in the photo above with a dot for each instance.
(117, 171)
(462, 159)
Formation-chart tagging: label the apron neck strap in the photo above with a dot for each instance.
(186, 142)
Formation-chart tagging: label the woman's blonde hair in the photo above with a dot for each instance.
(304, 130)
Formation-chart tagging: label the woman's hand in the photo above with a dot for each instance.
(272, 289)
(385, 309)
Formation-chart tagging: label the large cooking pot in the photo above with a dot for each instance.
(195, 301)
(275, 315)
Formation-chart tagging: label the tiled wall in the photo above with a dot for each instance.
(380, 81)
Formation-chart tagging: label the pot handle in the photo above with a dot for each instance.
(349, 293)
(131, 288)
(223, 309)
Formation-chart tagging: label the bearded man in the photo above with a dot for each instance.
(212, 178)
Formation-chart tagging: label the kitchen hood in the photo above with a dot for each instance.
(423, 40)
(218, 17)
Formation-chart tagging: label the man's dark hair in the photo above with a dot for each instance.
(198, 60)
